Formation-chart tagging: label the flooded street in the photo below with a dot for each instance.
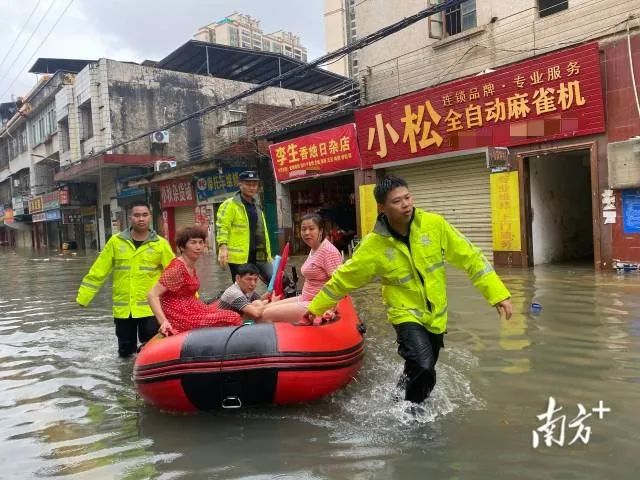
(69, 409)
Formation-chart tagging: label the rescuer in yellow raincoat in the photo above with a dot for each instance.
(407, 250)
(136, 257)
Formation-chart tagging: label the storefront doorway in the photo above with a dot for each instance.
(334, 199)
(559, 207)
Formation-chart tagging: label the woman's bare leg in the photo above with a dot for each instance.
(285, 311)
(282, 302)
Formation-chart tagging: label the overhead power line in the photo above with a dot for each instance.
(28, 40)
(409, 72)
(363, 42)
(288, 118)
(37, 48)
(19, 33)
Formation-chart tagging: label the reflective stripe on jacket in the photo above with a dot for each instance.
(232, 229)
(135, 272)
(408, 299)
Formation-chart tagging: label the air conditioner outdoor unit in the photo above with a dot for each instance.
(624, 164)
(161, 136)
(163, 165)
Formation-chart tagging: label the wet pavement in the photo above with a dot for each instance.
(68, 407)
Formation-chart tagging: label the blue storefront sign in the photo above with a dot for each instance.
(631, 210)
(127, 192)
(53, 215)
(215, 184)
(124, 191)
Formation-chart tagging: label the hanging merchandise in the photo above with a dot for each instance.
(334, 200)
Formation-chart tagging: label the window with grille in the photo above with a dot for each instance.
(460, 17)
(65, 141)
(86, 122)
(234, 39)
(454, 20)
(549, 7)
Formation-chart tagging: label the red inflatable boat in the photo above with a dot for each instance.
(233, 367)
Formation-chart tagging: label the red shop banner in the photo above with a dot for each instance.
(177, 193)
(322, 152)
(551, 97)
(63, 195)
(8, 215)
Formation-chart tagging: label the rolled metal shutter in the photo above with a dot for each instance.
(184, 217)
(457, 189)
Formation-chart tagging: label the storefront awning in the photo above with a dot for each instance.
(17, 226)
(172, 174)
(89, 170)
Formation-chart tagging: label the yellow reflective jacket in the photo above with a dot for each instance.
(414, 283)
(232, 229)
(135, 272)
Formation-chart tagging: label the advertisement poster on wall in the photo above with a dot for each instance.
(631, 210)
(505, 211)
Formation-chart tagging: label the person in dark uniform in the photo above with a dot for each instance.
(241, 229)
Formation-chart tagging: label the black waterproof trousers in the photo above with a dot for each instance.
(420, 349)
(128, 330)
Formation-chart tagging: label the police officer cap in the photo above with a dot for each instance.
(248, 175)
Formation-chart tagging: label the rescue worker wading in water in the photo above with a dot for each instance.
(407, 250)
(136, 257)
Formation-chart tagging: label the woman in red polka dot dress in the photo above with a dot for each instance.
(173, 299)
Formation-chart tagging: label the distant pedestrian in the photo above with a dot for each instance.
(241, 229)
(136, 257)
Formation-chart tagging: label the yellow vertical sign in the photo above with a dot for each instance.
(505, 211)
(368, 209)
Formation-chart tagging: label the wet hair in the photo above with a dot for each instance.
(388, 183)
(187, 233)
(315, 218)
(247, 269)
(140, 203)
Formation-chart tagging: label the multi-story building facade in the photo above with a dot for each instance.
(57, 144)
(29, 156)
(553, 82)
(340, 28)
(517, 121)
(243, 31)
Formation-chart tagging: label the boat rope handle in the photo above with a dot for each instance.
(226, 377)
(231, 402)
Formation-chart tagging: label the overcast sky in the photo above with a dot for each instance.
(130, 30)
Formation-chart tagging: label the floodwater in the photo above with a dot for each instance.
(69, 409)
